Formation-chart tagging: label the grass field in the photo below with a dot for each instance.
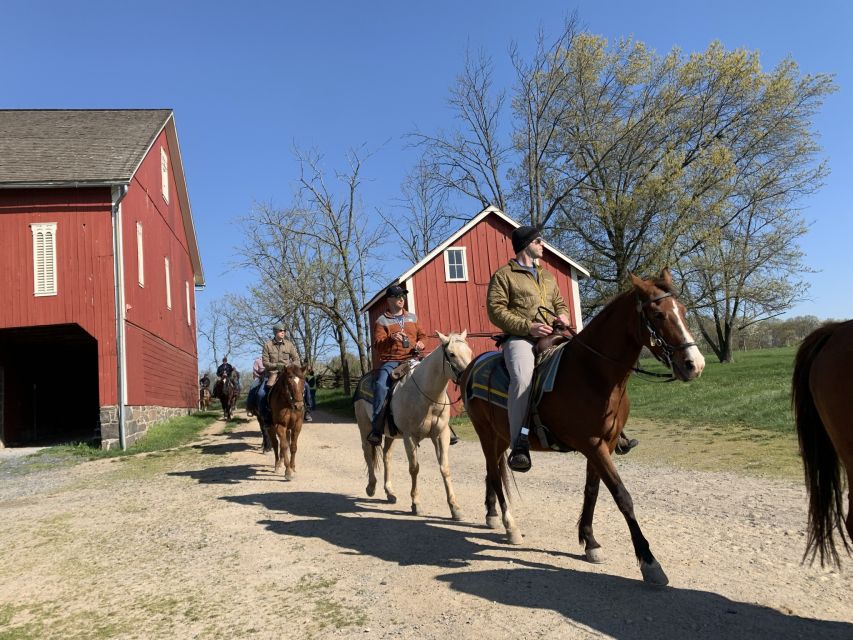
(735, 417)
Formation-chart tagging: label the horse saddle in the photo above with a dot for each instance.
(364, 391)
(489, 381)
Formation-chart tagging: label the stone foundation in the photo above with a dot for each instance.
(137, 420)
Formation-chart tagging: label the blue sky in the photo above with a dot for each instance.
(248, 80)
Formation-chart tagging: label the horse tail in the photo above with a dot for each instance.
(503, 467)
(820, 460)
(377, 456)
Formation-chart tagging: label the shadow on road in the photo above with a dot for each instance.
(617, 606)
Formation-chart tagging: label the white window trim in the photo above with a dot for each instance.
(164, 174)
(140, 256)
(187, 288)
(168, 283)
(47, 231)
(464, 277)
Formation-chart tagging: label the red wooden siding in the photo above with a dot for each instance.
(166, 330)
(84, 256)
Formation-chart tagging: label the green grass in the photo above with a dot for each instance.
(166, 435)
(753, 392)
(336, 401)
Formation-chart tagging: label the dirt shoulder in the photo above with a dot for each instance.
(206, 541)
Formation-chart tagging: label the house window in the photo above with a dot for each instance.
(44, 258)
(455, 265)
(187, 287)
(164, 174)
(140, 261)
(168, 284)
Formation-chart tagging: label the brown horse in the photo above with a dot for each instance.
(589, 404)
(288, 410)
(822, 399)
(227, 396)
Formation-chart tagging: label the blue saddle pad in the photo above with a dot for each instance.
(364, 388)
(489, 379)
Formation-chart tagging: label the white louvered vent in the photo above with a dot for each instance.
(44, 258)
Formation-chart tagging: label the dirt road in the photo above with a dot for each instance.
(207, 542)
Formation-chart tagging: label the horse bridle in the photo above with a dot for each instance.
(292, 401)
(457, 376)
(655, 340)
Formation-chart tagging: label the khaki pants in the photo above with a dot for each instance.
(520, 361)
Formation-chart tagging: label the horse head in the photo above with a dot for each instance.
(663, 326)
(291, 384)
(457, 353)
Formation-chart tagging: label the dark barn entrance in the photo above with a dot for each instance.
(48, 385)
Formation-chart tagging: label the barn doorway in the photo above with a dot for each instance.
(48, 385)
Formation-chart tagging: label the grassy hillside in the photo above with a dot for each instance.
(754, 391)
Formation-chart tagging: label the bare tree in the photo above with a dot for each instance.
(426, 220)
(315, 258)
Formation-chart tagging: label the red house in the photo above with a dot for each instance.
(447, 289)
(98, 269)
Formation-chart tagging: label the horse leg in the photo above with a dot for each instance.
(273, 443)
(281, 449)
(590, 496)
(497, 477)
(442, 445)
(414, 467)
(292, 436)
(386, 461)
(600, 458)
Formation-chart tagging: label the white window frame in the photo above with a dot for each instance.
(187, 288)
(140, 256)
(44, 258)
(464, 253)
(168, 283)
(164, 174)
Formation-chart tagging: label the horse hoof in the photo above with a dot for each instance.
(370, 490)
(514, 536)
(288, 475)
(493, 522)
(392, 499)
(416, 510)
(594, 555)
(456, 514)
(653, 574)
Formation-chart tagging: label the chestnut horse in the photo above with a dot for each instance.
(589, 404)
(288, 410)
(203, 399)
(822, 399)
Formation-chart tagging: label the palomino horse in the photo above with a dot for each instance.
(204, 399)
(228, 396)
(588, 405)
(288, 409)
(822, 398)
(421, 409)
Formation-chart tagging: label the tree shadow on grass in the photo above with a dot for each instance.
(616, 606)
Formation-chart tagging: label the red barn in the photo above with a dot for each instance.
(98, 270)
(447, 289)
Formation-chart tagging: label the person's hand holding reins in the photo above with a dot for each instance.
(539, 329)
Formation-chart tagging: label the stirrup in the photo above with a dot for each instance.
(519, 459)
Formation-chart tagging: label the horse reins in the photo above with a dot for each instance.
(457, 375)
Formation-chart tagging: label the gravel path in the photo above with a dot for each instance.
(206, 541)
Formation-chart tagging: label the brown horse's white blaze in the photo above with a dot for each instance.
(689, 361)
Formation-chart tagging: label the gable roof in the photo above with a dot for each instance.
(458, 234)
(44, 148)
(75, 147)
